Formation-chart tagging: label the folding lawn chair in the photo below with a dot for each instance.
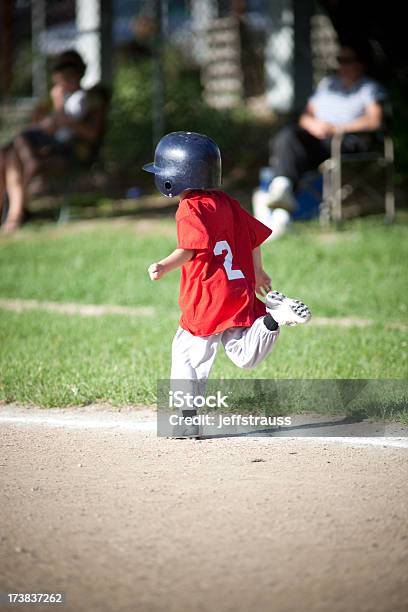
(335, 190)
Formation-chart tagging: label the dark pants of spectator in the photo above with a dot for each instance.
(295, 151)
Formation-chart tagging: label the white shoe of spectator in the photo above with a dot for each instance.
(278, 219)
(279, 222)
(281, 194)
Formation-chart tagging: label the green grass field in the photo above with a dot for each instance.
(52, 359)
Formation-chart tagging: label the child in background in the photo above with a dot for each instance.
(54, 145)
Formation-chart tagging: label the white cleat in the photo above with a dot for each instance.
(286, 311)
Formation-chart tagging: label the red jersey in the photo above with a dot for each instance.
(217, 289)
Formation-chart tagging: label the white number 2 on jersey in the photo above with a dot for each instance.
(222, 245)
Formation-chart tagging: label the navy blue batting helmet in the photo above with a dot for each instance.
(185, 160)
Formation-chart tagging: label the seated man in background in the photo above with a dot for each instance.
(348, 101)
(55, 143)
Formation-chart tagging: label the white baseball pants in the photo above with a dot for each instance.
(193, 356)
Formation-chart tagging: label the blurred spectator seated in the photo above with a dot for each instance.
(343, 116)
(57, 147)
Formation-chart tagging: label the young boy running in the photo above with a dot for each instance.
(219, 254)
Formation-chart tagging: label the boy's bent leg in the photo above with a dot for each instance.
(248, 346)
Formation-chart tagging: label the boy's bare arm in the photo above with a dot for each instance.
(173, 261)
(263, 282)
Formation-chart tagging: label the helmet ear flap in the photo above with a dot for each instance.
(166, 186)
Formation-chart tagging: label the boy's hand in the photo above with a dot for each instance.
(173, 261)
(156, 271)
(263, 282)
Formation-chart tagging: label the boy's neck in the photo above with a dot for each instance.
(186, 192)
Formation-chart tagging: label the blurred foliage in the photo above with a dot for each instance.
(21, 84)
(129, 130)
(243, 139)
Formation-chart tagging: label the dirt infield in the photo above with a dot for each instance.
(123, 521)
